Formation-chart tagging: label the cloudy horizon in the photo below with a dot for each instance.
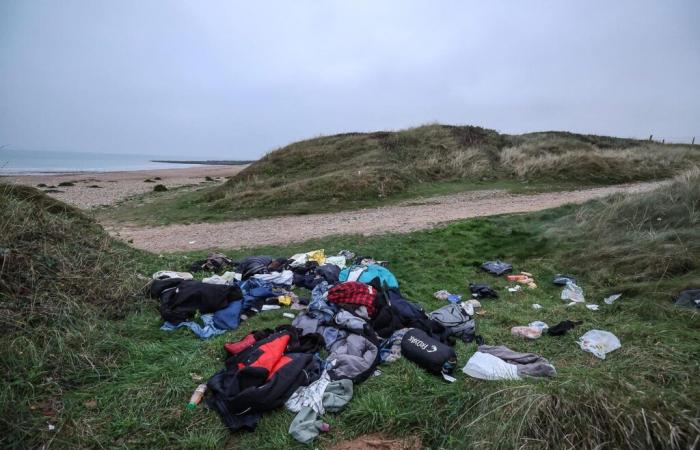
(218, 80)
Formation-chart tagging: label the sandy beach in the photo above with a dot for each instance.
(113, 187)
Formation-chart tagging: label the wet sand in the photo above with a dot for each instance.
(117, 186)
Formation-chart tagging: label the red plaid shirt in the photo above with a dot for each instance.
(355, 293)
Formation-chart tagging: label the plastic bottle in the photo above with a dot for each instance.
(197, 396)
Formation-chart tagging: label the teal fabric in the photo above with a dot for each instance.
(305, 426)
(337, 394)
(370, 273)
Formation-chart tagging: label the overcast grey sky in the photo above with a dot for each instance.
(236, 79)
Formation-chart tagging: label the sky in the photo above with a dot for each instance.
(234, 80)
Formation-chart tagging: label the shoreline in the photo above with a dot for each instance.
(91, 189)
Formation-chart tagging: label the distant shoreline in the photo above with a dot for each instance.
(206, 162)
(90, 189)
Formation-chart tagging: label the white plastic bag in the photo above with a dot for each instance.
(488, 367)
(538, 324)
(572, 292)
(610, 300)
(599, 342)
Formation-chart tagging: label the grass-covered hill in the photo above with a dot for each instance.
(355, 170)
(81, 350)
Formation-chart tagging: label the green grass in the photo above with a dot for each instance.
(359, 170)
(644, 395)
(185, 206)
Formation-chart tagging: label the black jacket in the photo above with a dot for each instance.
(259, 379)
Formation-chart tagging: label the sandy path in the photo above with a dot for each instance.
(117, 186)
(402, 218)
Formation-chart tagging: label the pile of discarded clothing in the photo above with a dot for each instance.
(356, 314)
(354, 318)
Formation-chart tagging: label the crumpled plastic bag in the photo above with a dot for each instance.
(572, 292)
(538, 324)
(526, 332)
(599, 342)
(610, 300)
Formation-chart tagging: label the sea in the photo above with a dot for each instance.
(32, 162)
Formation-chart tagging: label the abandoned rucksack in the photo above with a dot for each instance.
(456, 320)
(427, 352)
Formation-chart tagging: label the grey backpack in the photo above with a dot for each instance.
(456, 320)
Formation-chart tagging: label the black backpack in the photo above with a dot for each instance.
(427, 352)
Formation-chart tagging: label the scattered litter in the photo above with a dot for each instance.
(196, 377)
(269, 307)
(448, 378)
(468, 308)
(441, 294)
(526, 332)
(610, 300)
(562, 327)
(572, 292)
(563, 280)
(474, 303)
(690, 298)
(197, 396)
(288, 315)
(592, 306)
(538, 324)
(192, 242)
(52, 427)
(497, 268)
(515, 288)
(445, 295)
(482, 291)
(599, 343)
(523, 278)
(536, 306)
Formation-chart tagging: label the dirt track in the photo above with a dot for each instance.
(401, 218)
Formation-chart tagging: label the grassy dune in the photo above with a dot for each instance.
(81, 349)
(357, 170)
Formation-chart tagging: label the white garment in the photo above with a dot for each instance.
(336, 260)
(226, 278)
(355, 274)
(163, 274)
(488, 367)
(311, 395)
(285, 277)
(298, 260)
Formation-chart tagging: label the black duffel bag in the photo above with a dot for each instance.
(428, 352)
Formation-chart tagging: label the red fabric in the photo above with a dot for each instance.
(235, 348)
(272, 357)
(354, 293)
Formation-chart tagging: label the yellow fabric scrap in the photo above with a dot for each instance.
(317, 255)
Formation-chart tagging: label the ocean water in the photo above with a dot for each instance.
(18, 162)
